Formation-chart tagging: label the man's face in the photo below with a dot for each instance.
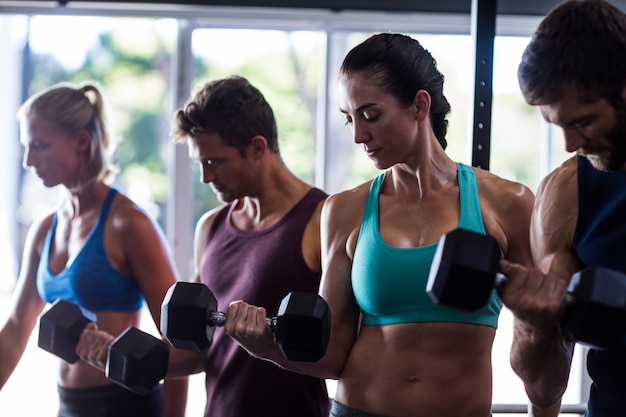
(229, 174)
(595, 129)
(616, 160)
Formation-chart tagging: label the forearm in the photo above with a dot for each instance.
(11, 351)
(542, 360)
(175, 396)
(8, 363)
(184, 362)
(328, 367)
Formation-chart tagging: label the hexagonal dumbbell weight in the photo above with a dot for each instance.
(136, 360)
(60, 328)
(464, 270)
(596, 308)
(189, 317)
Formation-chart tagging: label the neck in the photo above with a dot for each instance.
(85, 198)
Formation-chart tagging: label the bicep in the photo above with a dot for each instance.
(201, 236)
(506, 208)
(150, 260)
(518, 228)
(335, 286)
(552, 233)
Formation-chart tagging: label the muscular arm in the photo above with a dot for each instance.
(539, 353)
(93, 344)
(151, 263)
(506, 210)
(183, 362)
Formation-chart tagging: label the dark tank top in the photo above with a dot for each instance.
(600, 240)
(259, 267)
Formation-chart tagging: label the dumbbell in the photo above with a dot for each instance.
(595, 314)
(189, 317)
(136, 360)
(465, 271)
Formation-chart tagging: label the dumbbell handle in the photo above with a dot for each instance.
(500, 278)
(218, 319)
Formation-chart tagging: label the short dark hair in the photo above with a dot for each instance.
(580, 43)
(401, 67)
(230, 107)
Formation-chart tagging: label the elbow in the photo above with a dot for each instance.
(183, 363)
(331, 366)
(545, 399)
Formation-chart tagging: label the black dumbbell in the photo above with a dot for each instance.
(465, 271)
(136, 360)
(595, 314)
(189, 317)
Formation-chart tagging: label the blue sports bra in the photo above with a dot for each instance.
(389, 283)
(90, 281)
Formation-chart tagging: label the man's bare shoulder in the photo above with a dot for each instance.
(562, 180)
(206, 220)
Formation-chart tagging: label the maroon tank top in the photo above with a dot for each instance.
(259, 267)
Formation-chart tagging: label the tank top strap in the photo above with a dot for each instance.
(370, 215)
(106, 206)
(471, 217)
(45, 250)
(53, 225)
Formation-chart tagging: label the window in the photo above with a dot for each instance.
(293, 58)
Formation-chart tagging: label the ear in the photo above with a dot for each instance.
(83, 141)
(421, 105)
(258, 147)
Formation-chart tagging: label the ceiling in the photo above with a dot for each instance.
(504, 7)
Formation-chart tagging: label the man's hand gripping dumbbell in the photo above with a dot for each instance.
(591, 311)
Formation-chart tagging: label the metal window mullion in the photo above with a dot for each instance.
(179, 224)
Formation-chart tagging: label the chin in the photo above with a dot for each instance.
(607, 161)
(381, 165)
(48, 184)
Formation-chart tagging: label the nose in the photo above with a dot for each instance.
(207, 175)
(359, 133)
(574, 140)
(26, 159)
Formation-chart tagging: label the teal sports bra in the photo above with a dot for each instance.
(389, 283)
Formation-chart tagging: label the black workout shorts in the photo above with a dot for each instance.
(110, 400)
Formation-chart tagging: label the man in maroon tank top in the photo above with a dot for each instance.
(261, 244)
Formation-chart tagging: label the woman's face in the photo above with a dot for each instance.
(53, 154)
(380, 125)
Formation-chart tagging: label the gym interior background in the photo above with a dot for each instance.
(150, 56)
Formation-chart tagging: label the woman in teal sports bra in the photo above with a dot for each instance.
(392, 351)
(95, 248)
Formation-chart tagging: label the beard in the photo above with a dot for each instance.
(615, 158)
